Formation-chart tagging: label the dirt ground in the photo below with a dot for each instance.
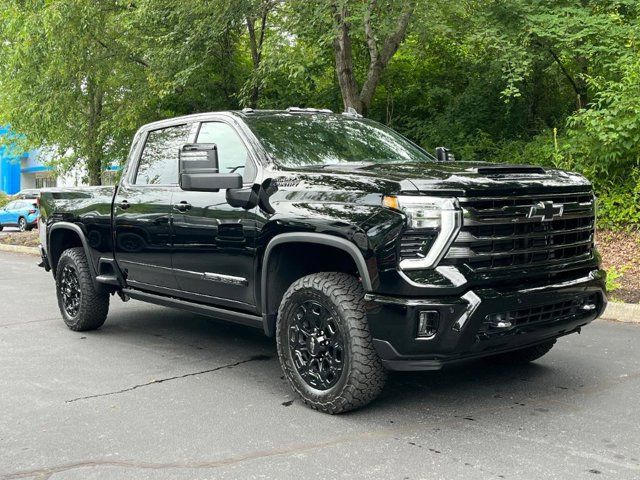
(11, 236)
(620, 255)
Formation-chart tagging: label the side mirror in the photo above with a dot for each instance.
(444, 155)
(198, 169)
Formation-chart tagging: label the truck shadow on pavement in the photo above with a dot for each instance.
(462, 390)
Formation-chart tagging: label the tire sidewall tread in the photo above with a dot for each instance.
(363, 376)
(94, 304)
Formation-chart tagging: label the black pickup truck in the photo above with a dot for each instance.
(356, 249)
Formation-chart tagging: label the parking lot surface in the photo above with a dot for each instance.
(159, 393)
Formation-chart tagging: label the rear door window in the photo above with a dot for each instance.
(159, 160)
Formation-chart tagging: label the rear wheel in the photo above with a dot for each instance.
(83, 307)
(524, 355)
(324, 344)
(1, 228)
(22, 224)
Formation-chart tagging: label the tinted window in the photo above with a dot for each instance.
(159, 160)
(232, 154)
(321, 139)
(11, 205)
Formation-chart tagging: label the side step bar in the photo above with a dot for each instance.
(108, 280)
(109, 273)
(219, 313)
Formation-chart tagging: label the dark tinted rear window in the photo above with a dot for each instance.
(159, 160)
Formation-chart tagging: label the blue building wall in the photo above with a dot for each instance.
(11, 166)
(9, 173)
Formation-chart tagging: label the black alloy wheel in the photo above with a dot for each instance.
(316, 345)
(70, 290)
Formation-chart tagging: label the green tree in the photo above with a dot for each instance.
(68, 79)
(350, 28)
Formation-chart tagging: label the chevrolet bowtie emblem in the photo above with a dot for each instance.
(545, 211)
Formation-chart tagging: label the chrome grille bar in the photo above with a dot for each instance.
(528, 230)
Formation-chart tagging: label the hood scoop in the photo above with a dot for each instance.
(508, 169)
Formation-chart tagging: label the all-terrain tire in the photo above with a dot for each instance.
(363, 376)
(91, 307)
(524, 355)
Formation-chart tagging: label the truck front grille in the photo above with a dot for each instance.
(523, 231)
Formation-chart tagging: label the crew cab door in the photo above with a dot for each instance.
(142, 211)
(213, 257)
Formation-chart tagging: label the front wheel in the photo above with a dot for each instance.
(22, 224)
(324, 343)
(83, 307)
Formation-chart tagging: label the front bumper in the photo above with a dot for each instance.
(555, 310)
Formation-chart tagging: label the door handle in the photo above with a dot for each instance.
(182, 206)
(124, 204)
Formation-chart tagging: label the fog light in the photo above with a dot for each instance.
(428, 323)
(500, 320)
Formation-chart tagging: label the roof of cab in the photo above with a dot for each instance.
(242, 114)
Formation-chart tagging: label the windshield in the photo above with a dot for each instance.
(298, 140)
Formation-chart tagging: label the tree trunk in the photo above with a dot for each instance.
(344, 64)
(94, 151)
(352, 96)
(256, 42)
(224, 58)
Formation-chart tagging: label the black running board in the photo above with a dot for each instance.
(219, 313)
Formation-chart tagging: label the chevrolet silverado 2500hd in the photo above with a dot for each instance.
(356, 249)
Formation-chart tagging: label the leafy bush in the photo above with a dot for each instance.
(4, 199)
(613, 275)
(619, 207)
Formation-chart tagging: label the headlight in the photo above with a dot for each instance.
(439, 216)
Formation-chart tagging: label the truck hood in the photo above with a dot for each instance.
(461, 178)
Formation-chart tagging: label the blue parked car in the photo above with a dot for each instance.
(23, 214)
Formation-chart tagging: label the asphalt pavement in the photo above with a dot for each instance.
(159, 393)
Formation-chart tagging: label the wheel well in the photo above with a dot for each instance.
(293, 260)
(59, 241)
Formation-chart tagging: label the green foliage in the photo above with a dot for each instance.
(68, 78)
(619, 208)
(613, 275)
(548, 82)
(4, 199)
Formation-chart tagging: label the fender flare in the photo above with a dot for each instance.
(83, 239)
(308, 237)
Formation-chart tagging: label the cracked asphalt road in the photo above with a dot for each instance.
(158, 393)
